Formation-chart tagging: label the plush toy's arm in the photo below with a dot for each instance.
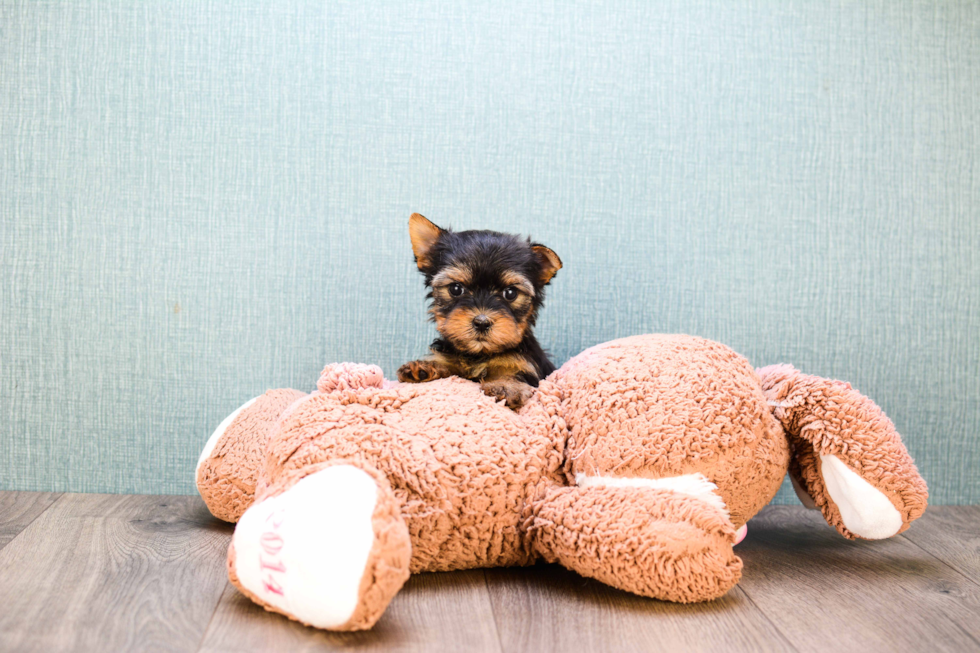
(847, 455)
(648, 541)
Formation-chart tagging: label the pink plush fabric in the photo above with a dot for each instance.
(658, 406)
(227, 479)
(350, 376)
(832, 418)
(635, 463)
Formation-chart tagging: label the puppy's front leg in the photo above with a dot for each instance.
(422, 370)
(511, 391)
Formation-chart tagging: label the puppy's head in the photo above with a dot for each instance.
(486, 286)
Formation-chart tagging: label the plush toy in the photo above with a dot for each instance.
(637, 463)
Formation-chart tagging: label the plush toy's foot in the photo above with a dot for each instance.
(227, 471)
(653, 542)
(220, 431)
(740, 534)
(864, 510)
(329, 549)
(847, 457)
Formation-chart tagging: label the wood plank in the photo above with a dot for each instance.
(548, 608)
(95, 572)
(433, 612)
(19, 509)
(113, 573)
(952, 534)
(823, 591)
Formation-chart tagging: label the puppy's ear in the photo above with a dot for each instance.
(549, 262)
(424, 235)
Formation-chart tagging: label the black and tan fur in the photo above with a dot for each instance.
(486, 289)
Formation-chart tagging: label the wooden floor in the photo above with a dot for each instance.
(120, 573)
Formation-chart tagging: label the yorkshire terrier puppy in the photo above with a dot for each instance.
(486, 289)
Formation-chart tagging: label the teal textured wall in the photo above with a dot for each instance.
(203, 200)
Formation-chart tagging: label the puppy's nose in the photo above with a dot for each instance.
(482, 323)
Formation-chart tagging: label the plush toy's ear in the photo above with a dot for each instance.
(549, 261)
(424, 235)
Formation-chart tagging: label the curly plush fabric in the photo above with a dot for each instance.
(830, 418)
(460, 491)
(635, 463)
(646, 541)
(350, 376)
(228, 477)
(661, 406)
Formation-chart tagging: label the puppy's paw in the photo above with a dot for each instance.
(512, 392)
(420, 371)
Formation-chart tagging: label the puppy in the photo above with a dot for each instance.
(486, 289)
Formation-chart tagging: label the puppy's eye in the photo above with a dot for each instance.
(455, 289)
(510, 294)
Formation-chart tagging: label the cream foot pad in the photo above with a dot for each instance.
(305, 551)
